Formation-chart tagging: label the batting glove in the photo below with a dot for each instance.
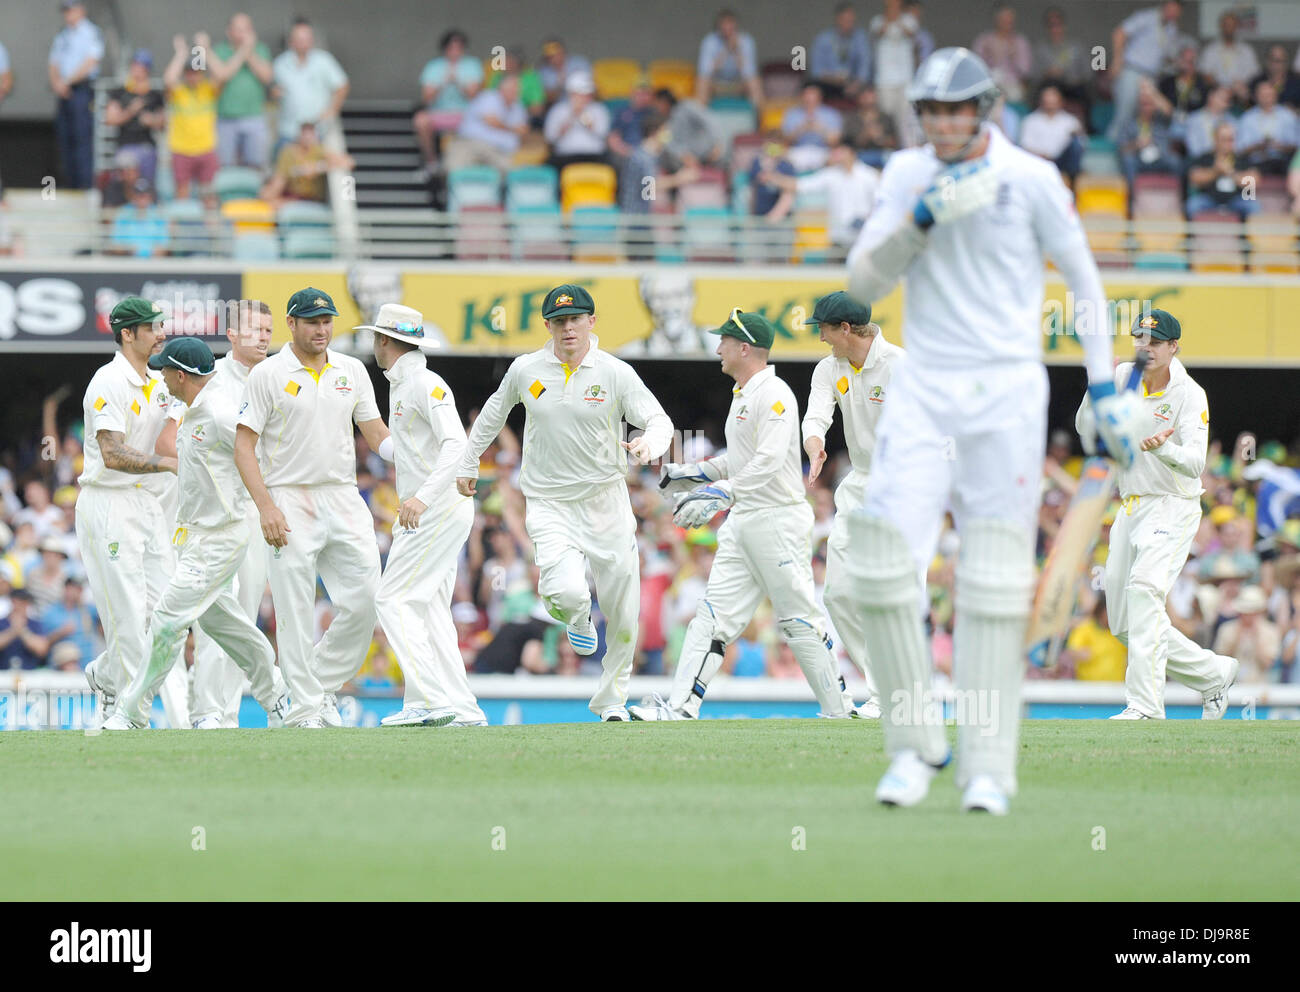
(1113, 425)
(699, 506)
(680, 477)
(956, 192)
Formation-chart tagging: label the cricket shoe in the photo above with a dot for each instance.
(419, 716)
(655, 708)
(107, 698)
(615, 714)
(1129, 713)
(276, 714)
(313, 723)
(119, 721)
(982, 795)
(870, 710)
(582, 635)
(207, 723)
(907, 781)
(468, 723)
(329, 710)
(1215, 704)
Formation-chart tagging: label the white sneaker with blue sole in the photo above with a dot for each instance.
(582, 635)
(908, 779)
(982, 795)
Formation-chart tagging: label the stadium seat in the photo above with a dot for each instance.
(744, 149)
(587, 184)
(531, 186)
(812, 240)
(234, 182)
(1099, 158)
(781, 82)
(183, 210)
(1102, 200)
(709, 190)
(595, 234)
(249, 215)
(1160, 260)
(1103, 112)
(674, 75)
(256, 246)
(538, 232)
(1089, 182)
(304, 213)
(1272, 239)
(773, 112)
(708, 235)
(1272, 195)
(481, 233)
(1107, 235)
(1160, 233)
(308, 242)
(741, 196)
(1217, 246)
(616, 107)
(615, 78)
(1156, 195)
(732, 117)
(473, 186)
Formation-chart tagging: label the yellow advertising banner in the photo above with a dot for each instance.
(666, 312)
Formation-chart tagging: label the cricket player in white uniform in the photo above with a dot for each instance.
(302, 403)
(211, 539)
(433, 524)
(765, 544)
(854, 377)
(573, 475)
(122, 518)
(966, 221)
(1160, 497)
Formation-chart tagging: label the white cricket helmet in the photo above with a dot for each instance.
(954, 75)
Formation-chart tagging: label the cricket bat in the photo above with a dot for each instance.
(1054, 601)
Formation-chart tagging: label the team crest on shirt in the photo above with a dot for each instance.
(397, 409)
(197, 433)
(877, 394)
(1163, 411)
(112, 550)
(341, 385)
(596, 394)
(740, 414)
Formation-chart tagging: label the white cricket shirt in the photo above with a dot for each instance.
(428, 439)
(572, 435)
(763, 459)
(212, 494)
(860, 395)
(304, 420)
(974, 296)
(118, 399)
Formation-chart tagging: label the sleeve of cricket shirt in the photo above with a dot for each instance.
(259, 401)
(1185, 450)
(108, 405)
(487, 425)
(776, 425)
(821, 402)
(366, 408)
(641, 409)
(449, 435)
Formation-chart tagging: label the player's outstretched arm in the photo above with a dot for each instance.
(890, 240)
(487, 425)
(642, 409)
(121, 457)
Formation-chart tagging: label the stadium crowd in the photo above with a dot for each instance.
(1240, 591)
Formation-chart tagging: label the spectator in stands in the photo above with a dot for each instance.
(1293, 184)
(764, 192)
(1183, 91)
(869, 130)
(491, 128)
(1267, 134)
(191, 116)
(23, 643)
(72, 620)
(1145, 144)
(6, 74)
(894, 34)
(728, 63)
(1006, 52)
(43, 515)
(139, 229)
(1008, 119)
(692, 136)
(241, 65)
(1062, 61)
(1052, 133)
(625, 132)
(531, 90)
(73, 66)
(577, 128)
(1228, 61)
(811, 128)
(1198, 131)
(1217, 180)
(848, 185)
(45, 581)
(647, 160)
(1140, 46)
(841, 57)
(136, 110)
(924, 40)
(556, 67)
(302, 168)
(1284, 79)
(310, 84)
(126, 170)
(1092, 653)
(1251, 637)
(447, 84)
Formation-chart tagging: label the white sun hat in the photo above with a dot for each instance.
(403, 324)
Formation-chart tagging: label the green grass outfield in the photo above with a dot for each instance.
(705, 810)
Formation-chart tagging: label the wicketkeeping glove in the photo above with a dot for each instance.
(680, 477)
(699, 506)
(1113, 425)
(956, 192)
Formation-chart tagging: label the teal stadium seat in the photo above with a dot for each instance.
(235, 182)
(473, 186)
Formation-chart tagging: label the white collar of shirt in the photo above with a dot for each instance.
(295, 363)
(241, 370)
(588, 360)
(198, 403)
(405, 367)
(1177, 376)
(132, 376)
(876, 350)
(755, 381)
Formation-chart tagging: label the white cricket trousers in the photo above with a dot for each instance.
(126, 549)
(597, 530)
(1149, 542)
(414, 605)
(217, 685)
(971, 441)
(331, 535)
(201, 591)
(841, 603)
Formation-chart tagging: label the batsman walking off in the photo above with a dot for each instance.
(573, 476)
(1160, 497)
(966, 221)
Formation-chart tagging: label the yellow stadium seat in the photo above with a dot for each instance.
(588, 174)
(249, 215)
(1161, 233)
(675, 75)
(812, 239)
(770, 119)
(615, 78)
(586, 195)
(1098, 199)
(1086, 182)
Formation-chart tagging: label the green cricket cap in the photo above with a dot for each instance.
(132, 311)
(187, 354)
(752, 328)
(567, 299)
(834, 308)
(311, 302)
(1160, 324)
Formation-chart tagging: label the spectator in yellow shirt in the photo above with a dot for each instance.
(301, 168)
(1093, 651)
(191, 114)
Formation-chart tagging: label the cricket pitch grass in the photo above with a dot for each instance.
(745, 810)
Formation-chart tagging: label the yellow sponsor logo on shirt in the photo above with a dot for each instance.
(537, 389)
(1205, 416)
(100, 403)
(438, 393)
(843, 385)
(778, 408)
(135, 407)
(292, 388)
